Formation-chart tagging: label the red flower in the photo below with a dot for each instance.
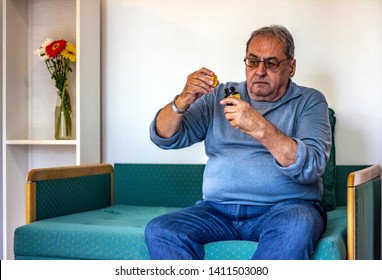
(55, 48)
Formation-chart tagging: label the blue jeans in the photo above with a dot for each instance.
(287, 230)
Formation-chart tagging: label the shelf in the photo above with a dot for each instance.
(41, 142)
(29, 96)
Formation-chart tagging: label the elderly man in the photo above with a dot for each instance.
(267, 152)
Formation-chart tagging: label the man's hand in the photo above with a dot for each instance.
(243, 117)
(198, 83)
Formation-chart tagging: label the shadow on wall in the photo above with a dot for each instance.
(154, 73)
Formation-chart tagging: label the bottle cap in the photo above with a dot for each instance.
(229, 91)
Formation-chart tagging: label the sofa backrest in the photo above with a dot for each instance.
(174, 185)
(58, 191)
(180, 185)
(329, 201)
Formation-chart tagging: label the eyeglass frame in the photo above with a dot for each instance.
(264, 62)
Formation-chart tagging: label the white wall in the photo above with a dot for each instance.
(149, 47)
(1, 130)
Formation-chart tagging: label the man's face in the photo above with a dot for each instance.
(265, 84)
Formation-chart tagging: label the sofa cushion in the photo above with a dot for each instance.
(117, 232)
(332, 245)
(169, 185)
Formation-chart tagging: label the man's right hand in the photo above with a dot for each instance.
(198, 83)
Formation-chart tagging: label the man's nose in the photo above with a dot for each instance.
(261, 70)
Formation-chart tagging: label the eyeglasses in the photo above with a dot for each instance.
(269, 63)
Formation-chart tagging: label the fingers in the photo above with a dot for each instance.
(239, 115)
(231, 101)
(232, 110)
(205, 72)
(200, 81)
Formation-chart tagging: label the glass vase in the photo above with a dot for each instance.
(63, 121)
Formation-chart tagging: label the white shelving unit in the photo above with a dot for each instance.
(29, 96)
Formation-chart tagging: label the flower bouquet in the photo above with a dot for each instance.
(58, 54)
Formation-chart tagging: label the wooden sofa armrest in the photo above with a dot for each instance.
(364, 213)
(58, 191)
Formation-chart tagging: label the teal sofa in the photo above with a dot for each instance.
(100, 211)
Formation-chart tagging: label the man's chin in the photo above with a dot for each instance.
(259, 94)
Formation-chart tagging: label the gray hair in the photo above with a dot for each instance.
(279, 32)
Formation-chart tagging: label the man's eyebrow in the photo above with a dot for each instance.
(251, 55)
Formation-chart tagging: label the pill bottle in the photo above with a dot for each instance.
(231, 91)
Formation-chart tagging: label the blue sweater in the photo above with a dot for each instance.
(239, 169)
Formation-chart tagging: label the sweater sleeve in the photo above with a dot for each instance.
(313, 137)
(193, 128)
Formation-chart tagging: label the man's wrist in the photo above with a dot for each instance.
(176, 108)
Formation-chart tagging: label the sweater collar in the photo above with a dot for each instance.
(293, 91)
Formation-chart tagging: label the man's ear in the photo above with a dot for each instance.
(292, 68)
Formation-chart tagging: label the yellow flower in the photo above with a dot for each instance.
(69, 52)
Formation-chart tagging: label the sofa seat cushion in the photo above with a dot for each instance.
(332, 245)
(117, 232)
